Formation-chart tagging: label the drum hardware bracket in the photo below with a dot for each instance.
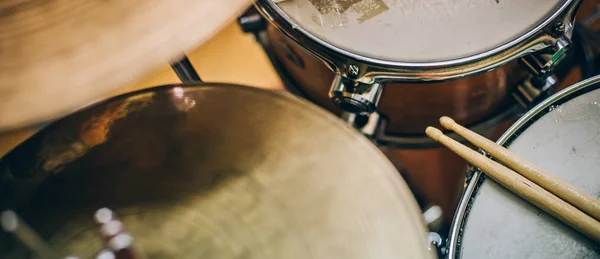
(366, 124)
(185, 70)
(436, 242)
(254, 23)
(355, 97)
(532, 90)
(541, 64)
(433, 217)
(559, 28)
(353, 71)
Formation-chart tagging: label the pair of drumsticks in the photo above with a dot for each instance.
(526, 179)
(120, 243)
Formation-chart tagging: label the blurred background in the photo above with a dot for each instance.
(231, 56)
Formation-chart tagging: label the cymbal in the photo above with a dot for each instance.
(213, 171)
(58, 56)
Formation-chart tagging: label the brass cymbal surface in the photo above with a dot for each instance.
(212, 171)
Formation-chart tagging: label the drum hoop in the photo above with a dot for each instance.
(522, 124)
(531, 41)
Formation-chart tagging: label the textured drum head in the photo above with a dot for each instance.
(566, 142)
(417, 30)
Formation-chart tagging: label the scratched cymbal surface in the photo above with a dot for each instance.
(212, 171)
(60, 55)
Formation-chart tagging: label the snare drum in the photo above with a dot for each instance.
(562, 135)
(406, 63)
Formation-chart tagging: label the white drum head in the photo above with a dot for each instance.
(565, 140)
(418, 30)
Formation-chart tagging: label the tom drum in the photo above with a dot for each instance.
(392, 68)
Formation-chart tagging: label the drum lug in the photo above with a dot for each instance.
(542, 64)
(436, 244)
(532, 90)
(355, 97)
(557, 37)
(366, 124)
(433, 217)
(252, 22)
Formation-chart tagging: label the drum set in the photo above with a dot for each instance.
(337, 166)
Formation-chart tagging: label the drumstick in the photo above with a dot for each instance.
(523, 187)
(531, 171)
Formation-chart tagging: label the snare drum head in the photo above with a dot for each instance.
(416, 30)
(564, 139)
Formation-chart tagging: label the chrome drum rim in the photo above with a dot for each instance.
(381, 70)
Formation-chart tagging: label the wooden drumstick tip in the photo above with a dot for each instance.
(433, 133)
(447, 122)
